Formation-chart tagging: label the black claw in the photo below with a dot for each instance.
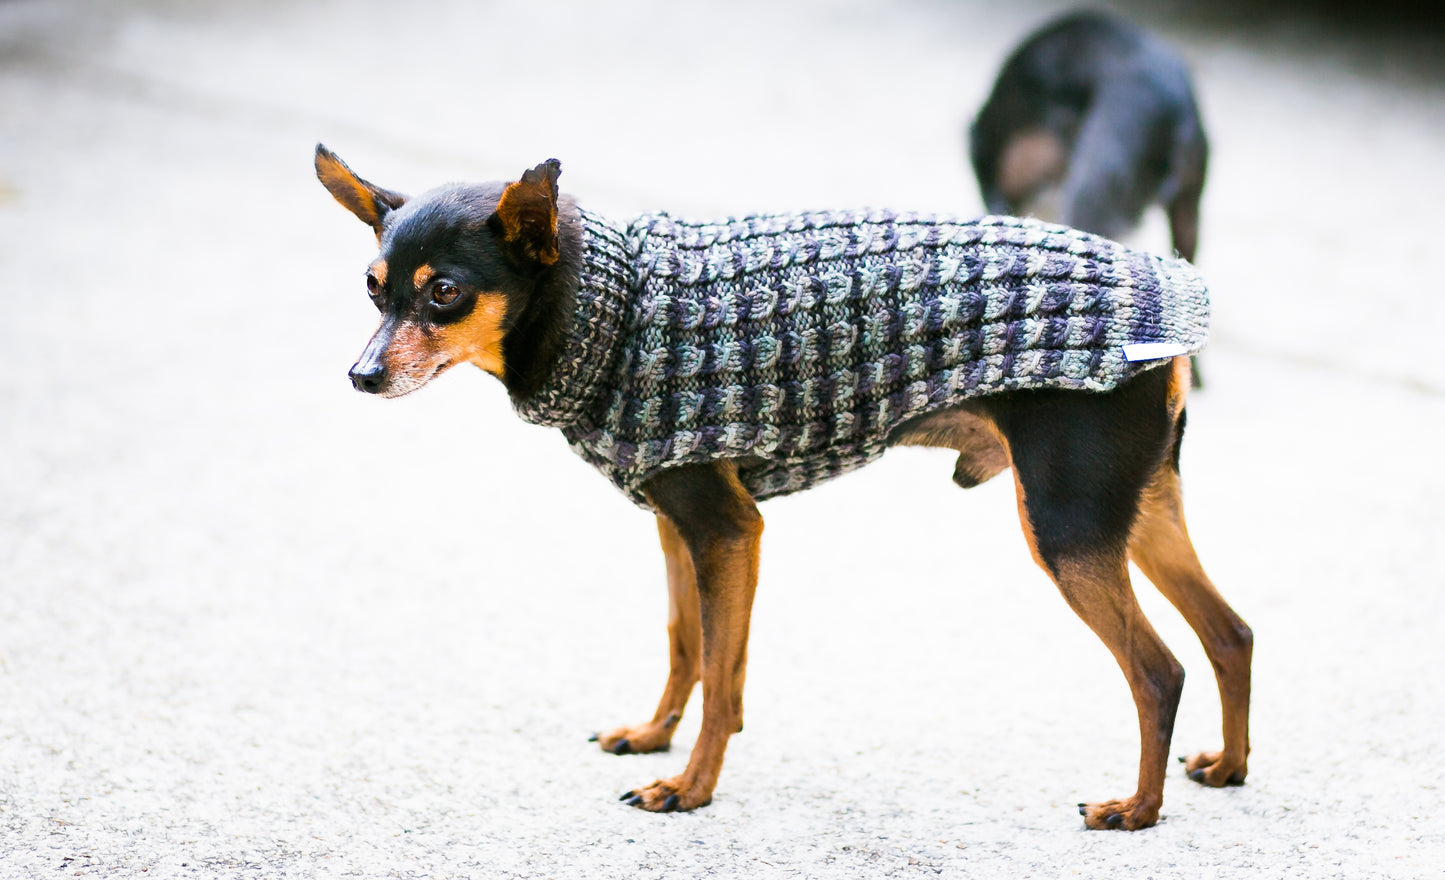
(1182, 759)
(627, 795)
(1197, 775)
(670, 804)
(1235, 780)
(636, 801)
(592, 738)
(1082, 810)
(1114, 820)
(623, 747)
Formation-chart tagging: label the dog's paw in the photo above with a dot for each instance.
(1129, 814)
(1214, 770)
(668, 796)
(654, 736)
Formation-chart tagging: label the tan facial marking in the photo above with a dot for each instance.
(477, 338)
(409, 349)
(422, 275)
(415, 354)
(378, 271)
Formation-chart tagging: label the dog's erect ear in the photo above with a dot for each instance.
(366, 200)
(526, 215)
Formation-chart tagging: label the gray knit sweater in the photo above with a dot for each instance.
(795, 343)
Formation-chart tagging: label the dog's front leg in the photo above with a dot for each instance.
(684, 638)
(722, 530)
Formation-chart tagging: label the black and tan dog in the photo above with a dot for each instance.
(1090, 121)
(487, 274)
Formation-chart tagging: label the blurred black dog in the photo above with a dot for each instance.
(1092, 120)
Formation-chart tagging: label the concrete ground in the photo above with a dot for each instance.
(253, 624)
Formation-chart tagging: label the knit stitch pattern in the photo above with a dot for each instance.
(795, 343)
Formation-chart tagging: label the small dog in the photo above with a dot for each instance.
(703, 367)
(1105, 112)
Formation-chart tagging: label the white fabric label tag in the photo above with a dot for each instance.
(1148, 351)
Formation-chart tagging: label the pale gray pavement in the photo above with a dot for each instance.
(253, 624)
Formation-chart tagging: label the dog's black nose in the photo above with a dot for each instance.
(368, 377)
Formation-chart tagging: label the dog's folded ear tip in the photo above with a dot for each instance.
(543, 172)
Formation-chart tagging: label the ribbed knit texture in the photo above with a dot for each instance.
(795, 343)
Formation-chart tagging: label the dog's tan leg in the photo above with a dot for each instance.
(684, 637)
(722, 530)
(1160, 546)
(1095, 583)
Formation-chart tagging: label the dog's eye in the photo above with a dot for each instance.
(373, 288)
(444, 293)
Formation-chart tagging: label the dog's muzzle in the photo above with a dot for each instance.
(369, 372)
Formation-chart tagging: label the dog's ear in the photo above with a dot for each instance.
(526, 215)
(364, 199)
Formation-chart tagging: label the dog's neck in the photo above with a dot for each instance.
(564, 342)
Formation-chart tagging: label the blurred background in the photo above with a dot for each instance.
(254, 622)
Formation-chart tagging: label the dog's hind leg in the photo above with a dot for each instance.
(1096, 585)
(1160, 546)
(684, 638)
(1080, 464)
(720, 526)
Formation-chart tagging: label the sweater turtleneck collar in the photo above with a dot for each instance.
(606, 281)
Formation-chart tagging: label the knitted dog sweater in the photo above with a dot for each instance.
(796, 343)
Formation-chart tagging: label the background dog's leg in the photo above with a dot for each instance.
(1184, 189)
(684, 638)
(1183, 213)
(1160, 546)
(722, 530)
(1183, 206)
